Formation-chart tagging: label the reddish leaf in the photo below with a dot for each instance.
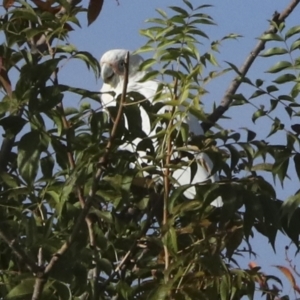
(94, 10)
(4, 79)
(261, 277)
(5, 82)
(8, 3)
(288, 274)
(253, 265)
(68, 27)
(46, 6)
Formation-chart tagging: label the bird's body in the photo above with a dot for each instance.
(112, 72)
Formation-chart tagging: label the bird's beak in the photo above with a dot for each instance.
(107, 73)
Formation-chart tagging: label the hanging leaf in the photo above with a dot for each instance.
(29, 155)
(282, 65)
(274, 51)
(22, 290)
(297, 164)
(46, 6)
(94, 9)
(296, 128)
(271, 37)
(285, 78)
(4, 79)
(292, 31)
(8, 3)
(288, 274)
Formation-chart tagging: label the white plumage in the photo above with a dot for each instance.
(112, 74)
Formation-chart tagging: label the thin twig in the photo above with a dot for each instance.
(234, 85)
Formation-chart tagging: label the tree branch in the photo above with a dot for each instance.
(234, 85)
(97, 176)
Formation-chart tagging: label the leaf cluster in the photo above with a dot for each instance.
(77, 211)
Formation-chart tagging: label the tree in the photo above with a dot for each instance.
(77, 222)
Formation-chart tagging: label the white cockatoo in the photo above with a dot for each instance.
(112, 73)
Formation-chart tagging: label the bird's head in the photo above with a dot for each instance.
(113, 66)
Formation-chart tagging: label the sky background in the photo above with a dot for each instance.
(118, 27)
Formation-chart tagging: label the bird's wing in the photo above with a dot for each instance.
(148, 90)
(203, 174)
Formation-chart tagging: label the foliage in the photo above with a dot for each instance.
(78, 222)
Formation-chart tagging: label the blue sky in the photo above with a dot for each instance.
(118, 27)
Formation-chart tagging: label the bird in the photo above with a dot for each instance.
(112, 64)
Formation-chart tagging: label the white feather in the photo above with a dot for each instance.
(113, 82)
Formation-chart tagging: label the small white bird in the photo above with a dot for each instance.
(112, 73)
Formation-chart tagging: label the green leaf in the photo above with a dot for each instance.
(274, 51)
(234, 67)
(41, 72)
(272, 88)
(295, 45)
(280, 168)
(105, 266)
(149, 76)
(162, 13)
(12, 125)
(188, 3)
(147, 63)
(234, 156)
(47, 165)
(65, 48)
(277, 125)
(60, 152)
(170, 240)
(292, 31)
(82, 92)
(22, 290)
(224, 287)
(282, 65)
(257, 93)
(250, 289)
(180, 10)
(259, 83)
(285, 78)
(271, 37)
(90, 61)
(259, 113)
(29, 155)
(290, 205)
(62, 289)
(295, 90)
(297, 164)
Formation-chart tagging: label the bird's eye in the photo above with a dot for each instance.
(121, 65)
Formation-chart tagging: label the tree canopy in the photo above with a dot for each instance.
(79, 220)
